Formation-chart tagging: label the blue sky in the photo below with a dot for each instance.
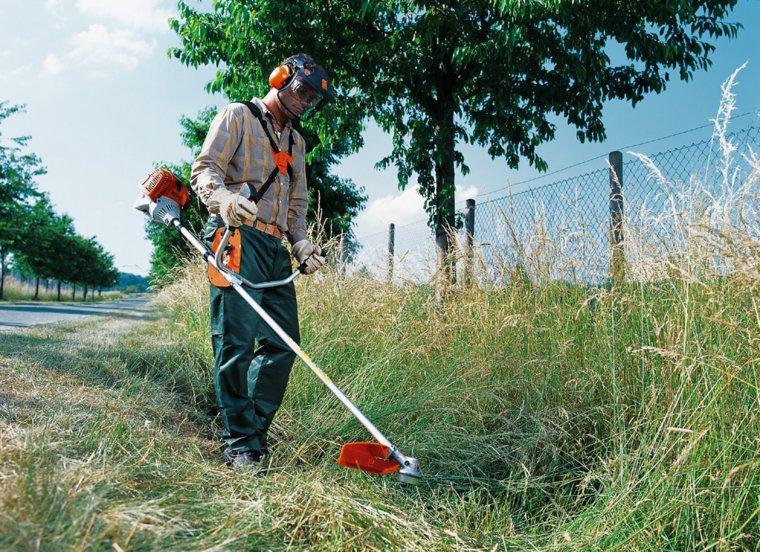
(104, 103)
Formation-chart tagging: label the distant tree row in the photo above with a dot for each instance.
(35, 240)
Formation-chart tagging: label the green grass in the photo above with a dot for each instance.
(545, 417)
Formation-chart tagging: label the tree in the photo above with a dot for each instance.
(97, 269)
(436, 74)
(63, 248)
(17, 173)
(87, 262)
(35, 253)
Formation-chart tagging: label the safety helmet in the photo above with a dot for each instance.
(303, 86)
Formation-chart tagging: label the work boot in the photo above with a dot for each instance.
(242, 460)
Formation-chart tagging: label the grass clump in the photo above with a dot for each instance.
(553, 415)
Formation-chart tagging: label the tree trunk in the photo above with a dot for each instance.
(85, 293)
(444, 202)
(37, 289)
(59, 290)
(100, 292)
(2, 273)
(47, 285)
(73, 292)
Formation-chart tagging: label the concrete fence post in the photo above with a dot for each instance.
(391, 247)
(469, 227)
(617, 257)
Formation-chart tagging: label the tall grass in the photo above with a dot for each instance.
(16, 290)
(546, 415)
(555, 414)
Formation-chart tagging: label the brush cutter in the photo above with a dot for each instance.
(163, 196)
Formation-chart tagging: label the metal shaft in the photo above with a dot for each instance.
(237, 285)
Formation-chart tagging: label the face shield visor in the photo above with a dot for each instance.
(306, 93)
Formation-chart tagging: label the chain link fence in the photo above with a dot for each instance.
(562, 230)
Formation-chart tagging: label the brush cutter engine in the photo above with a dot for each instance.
(162, 197)
(164, 183)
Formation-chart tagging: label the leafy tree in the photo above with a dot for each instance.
(436, 74)
(132, 283)
(88, 265)
(34, 254)
(17, 173)
(100, 272)
(63, 248)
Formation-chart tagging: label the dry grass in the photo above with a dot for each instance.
(15, 290)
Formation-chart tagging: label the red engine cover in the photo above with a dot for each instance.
(164, 183)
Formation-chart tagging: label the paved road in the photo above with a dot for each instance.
(23, 315)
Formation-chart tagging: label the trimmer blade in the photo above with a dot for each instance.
(409, 474)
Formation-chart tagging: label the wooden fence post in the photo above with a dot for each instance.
(617, 258)
(341, 256)
(469, 226)
(391, 247)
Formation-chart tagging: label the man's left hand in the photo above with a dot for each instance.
(312, 254)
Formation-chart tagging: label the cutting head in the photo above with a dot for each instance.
(367, 456)
(376, 458)
(409, 473)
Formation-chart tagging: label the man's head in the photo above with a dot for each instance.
(302, 86)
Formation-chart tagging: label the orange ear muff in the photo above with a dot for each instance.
(279, 76)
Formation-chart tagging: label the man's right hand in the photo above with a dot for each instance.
(234, 209)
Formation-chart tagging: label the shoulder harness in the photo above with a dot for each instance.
(282, 159)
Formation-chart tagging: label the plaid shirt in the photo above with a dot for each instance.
(236, 151)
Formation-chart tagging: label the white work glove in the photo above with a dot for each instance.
(234, 209)
(304, 250)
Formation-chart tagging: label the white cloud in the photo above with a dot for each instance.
(144, 15)
(406, 207)
(56, 12)
(119, 37)
(102, 49)
(53, 6)
(52, 65)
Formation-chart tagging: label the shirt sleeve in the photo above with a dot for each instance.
(222, 140)
(298, 201)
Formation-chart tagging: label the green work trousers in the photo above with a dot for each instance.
(250, 381)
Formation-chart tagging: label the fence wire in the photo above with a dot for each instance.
(561, 230)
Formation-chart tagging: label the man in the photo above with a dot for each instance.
(254, 143)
